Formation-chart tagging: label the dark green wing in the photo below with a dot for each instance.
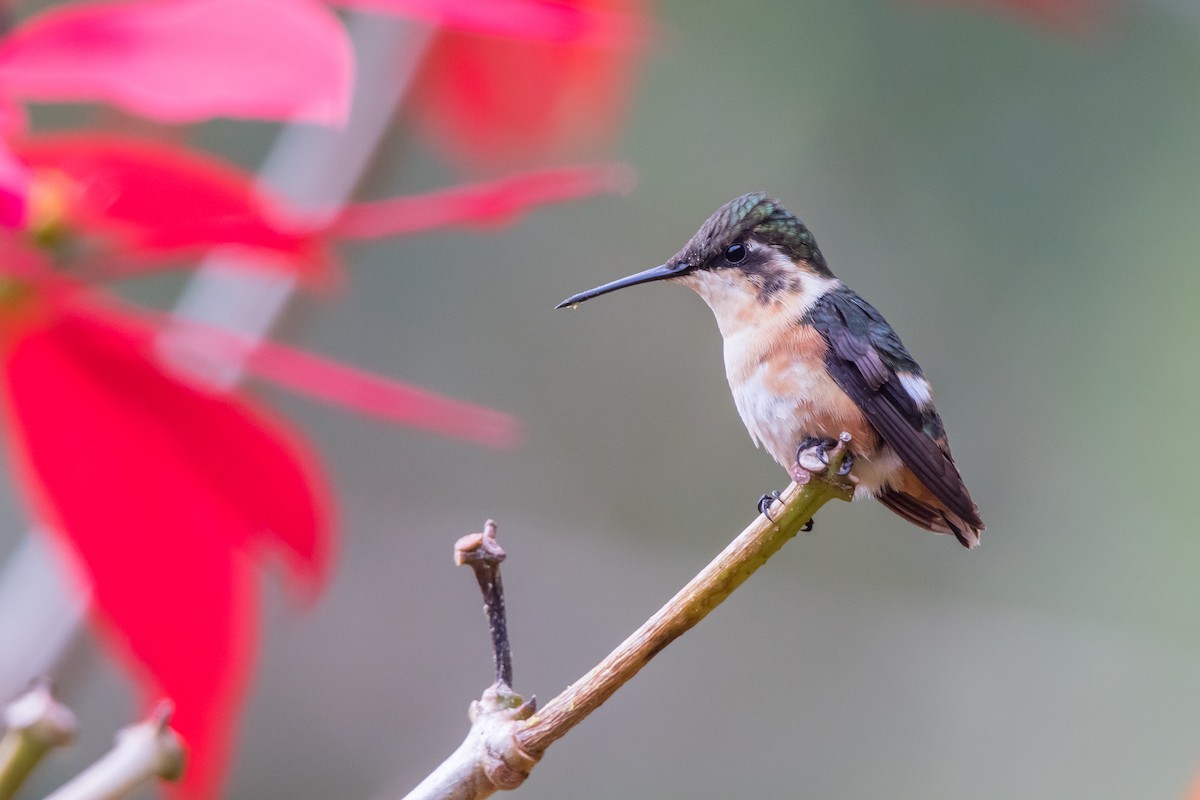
(866, 358)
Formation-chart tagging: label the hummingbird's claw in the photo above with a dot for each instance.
(765, 502)
(847, 464)
(764, 508)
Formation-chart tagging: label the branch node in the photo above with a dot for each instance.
(526, 709)
(506, 764)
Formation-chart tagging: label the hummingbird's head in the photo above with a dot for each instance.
(751, 254)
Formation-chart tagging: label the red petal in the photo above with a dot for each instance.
(383, 397)
(14, 121)
(14, 189)
(157, 200)
(521, 19)
(186, 60)
(159, 490)
(497, 102)
(481, 203)
(345, 385)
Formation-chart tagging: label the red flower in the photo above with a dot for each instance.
(495, 102)
(163, 491)
(149, 202)
(164, 494)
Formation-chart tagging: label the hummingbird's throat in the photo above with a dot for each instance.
(743, 300)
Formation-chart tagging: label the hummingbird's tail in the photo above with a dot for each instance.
(927, 513)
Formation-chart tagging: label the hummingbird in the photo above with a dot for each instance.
(807, 358)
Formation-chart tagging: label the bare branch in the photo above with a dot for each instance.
(507, 739)
(737, 562)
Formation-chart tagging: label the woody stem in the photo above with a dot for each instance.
(730, 569)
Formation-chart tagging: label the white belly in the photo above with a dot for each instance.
(777, 421)
(781, 408)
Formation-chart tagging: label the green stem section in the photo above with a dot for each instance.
(20, 752)
(737, 562)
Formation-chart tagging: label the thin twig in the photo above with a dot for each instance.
(485, 761)
(484, 555)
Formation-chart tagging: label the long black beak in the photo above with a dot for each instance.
(646, 276)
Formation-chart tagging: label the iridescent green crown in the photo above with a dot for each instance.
(761, 217)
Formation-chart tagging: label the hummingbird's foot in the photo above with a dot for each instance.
(807, 443)
(812, 456)
(765, 502)
(764, 507)
(820, 447)
(815, 454)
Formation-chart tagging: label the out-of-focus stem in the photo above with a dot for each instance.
(315, 169)
(35, 723)
(142, 753)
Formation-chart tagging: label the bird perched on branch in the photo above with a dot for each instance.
(807, 359)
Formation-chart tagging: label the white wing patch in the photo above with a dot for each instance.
(917, 388)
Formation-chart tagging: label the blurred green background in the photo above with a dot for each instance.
(1020, 204)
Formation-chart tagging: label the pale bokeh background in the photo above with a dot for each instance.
(1022, 207)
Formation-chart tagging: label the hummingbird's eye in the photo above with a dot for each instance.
(735, 253)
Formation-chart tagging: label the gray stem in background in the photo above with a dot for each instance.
(316, 169)
(40, 613)
(141, 753)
